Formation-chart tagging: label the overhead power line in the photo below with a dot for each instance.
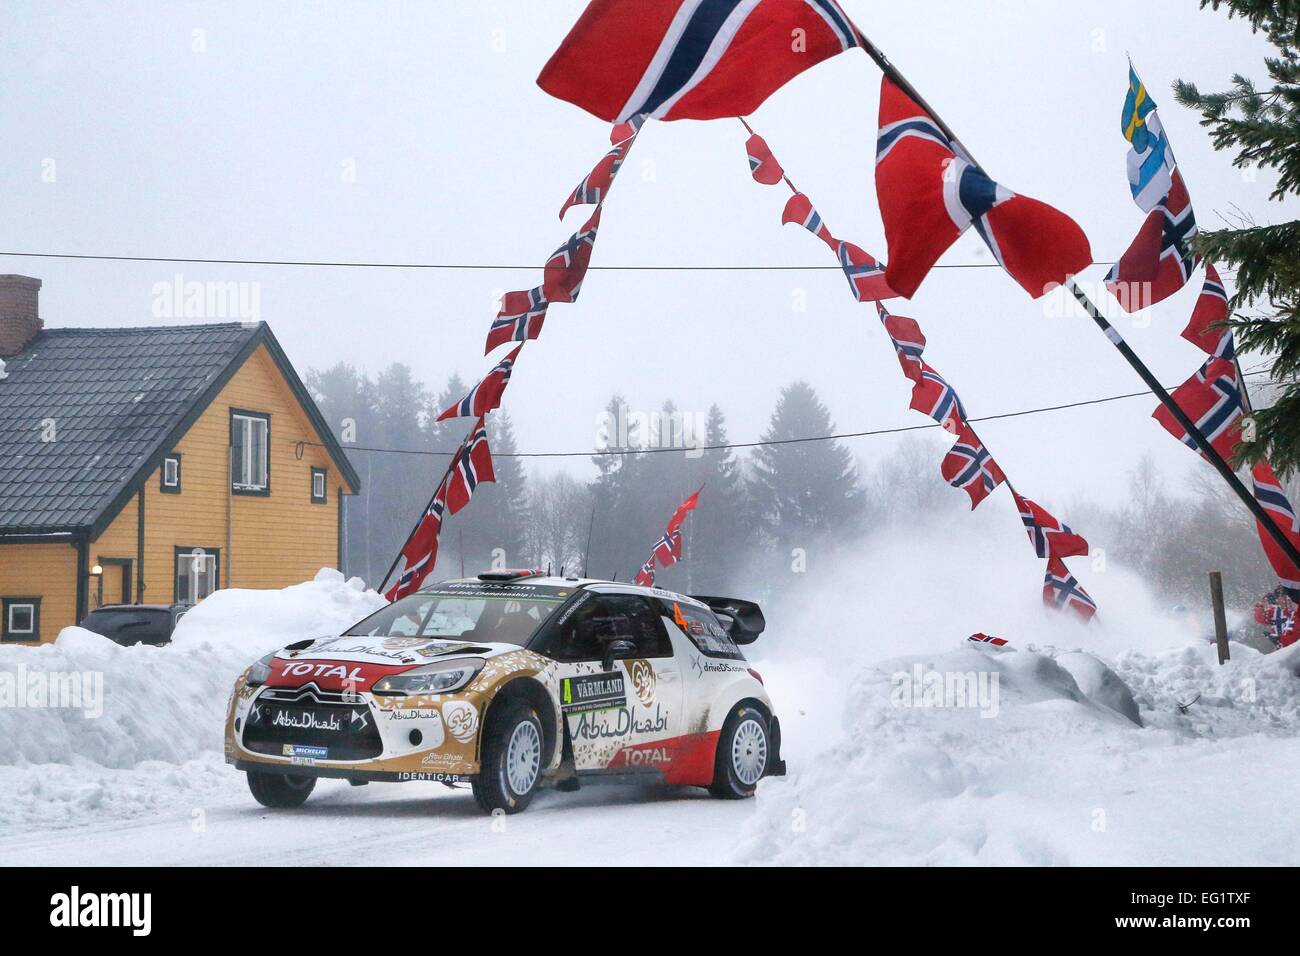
(463, 266)
(616, 452)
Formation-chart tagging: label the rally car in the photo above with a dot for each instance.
(509, 682)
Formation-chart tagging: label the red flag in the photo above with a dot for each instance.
(646, 576)
(970, 467)
(567, 266)
(595, 187)
(762, 164)
(1062, 590)
(420, 553)
(1268, 492)
(1159, 260)
(930, 193)
(799, 210)
(1050, 538)
(486, 395)
(686, 59)
(471, 466)
(520, 319)
(1212, 400)
(685, 508)
(1206, 329)
(908, 341)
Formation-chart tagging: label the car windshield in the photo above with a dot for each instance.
(485, 618)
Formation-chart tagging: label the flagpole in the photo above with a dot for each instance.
(425, 510)
(1202, 443)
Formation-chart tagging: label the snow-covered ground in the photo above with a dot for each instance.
(1044, 763)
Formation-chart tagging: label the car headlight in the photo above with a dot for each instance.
(260, 672)
(440, 678)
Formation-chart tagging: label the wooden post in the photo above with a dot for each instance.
(1220, 617)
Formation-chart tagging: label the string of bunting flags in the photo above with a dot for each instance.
(520, 319)
(968, 465)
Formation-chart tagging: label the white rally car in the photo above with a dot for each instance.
(511, 681)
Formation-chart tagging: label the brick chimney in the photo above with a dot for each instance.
(20, 313)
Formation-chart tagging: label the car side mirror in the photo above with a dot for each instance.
(617, 649)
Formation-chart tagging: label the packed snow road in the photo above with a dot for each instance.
(404, 824)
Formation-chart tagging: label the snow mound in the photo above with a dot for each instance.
(262, 621)
(87, 702)
(1043, 763)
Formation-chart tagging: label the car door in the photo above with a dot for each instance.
(634, 702)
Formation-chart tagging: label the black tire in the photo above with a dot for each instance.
(736, 763)
(494, 788)
(280, 791)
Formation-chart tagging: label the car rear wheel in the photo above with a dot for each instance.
(744, 747)
(511, 767)
(280, 791)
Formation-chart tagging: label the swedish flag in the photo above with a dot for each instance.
(1137, 105)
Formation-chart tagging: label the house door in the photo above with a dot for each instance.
(116, 580)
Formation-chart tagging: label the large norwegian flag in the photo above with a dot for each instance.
(1206, 329)
(567, 266)
(908, 341)
(683, 509)
(594, 188)
(420, 553)
(970, 467)
(691, 59)
(1212, 400)
(931, 192)
(935, 397)
(1051, 538)
(1061, 590)
(520, 319)
(1268, 492)
(471, 467)
(486, 395)
(1159, 260)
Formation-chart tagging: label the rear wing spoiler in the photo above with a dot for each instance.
(743, 619)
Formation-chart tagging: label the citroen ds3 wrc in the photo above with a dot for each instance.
(510, 682)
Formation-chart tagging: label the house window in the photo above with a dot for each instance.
(21, 620)
(171, 475)
(318, 486)
(250, 470)
(196, 573)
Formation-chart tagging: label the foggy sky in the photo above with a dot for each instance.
(231, 130)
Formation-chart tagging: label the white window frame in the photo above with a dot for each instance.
(318, 474)
(248, 424)
(189, 561)
(31, 609)
(171, 472)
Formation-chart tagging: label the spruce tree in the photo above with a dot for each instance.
(1262, 125)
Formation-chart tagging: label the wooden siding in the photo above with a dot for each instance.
(264, 541)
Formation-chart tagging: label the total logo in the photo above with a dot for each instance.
(647, 757)
(304, 669)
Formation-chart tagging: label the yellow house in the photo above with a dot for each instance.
(154, 465)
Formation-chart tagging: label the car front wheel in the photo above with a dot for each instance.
(512, 759)
(744, 747)
(281, 791)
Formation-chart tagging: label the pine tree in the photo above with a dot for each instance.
(719, 535)
(802, 490)
(1263, 127)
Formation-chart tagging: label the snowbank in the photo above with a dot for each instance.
(121, 706)
(1050, 769)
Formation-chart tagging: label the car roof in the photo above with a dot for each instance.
(573, 583)
(133, 607)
